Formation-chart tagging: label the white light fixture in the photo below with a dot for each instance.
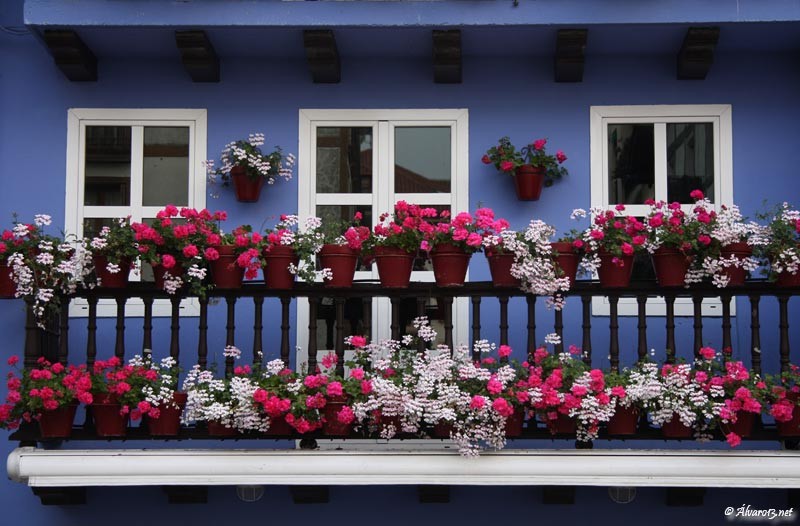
(622, 494)
(250, 493)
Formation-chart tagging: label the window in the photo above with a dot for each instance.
(366, 160)
(124, 162)
(662, 153)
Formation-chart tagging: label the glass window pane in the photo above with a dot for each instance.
(93, 225)
(338, 214)
(107, 171)
(166, 166)
(631, 163)
(690, 160)
(422, 159)
(344, 160)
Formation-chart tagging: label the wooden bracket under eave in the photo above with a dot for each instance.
(322, 56)
(74, 58)
(447, 56)
(697, 53)
(570, 55)
(198, 55)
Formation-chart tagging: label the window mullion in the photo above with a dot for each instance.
(137, 169)
(660, 159)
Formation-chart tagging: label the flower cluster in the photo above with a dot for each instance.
(506, 158)
(243, 243)
(613, 233)
(780, 241)
(305, 240)
(405, 229)
(535, 261)
(461, 231)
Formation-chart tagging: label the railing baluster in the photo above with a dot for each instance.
(258, 327)
(285, 327)
(698, 324)
(641, 304)
(727, 340)
(366, 318)
(503, 320)
(202, 329)
(755, 333)
(783, 324)
(421, 303)
(313, 303)
(230, 333)
(476, 325)
(669, 299)
(613, 326)
(448, 322)
(91, 333)
(175, 329)
(119, 346)
(63, 332)
(339, 344)
(395, 325)
(558, 325)
(33, 348)
(586, 326)
(531, 302)
(147, 325)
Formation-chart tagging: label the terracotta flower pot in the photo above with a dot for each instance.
(736, 275)
(7, 285)
(743, 425)
(276, 273)
(442, 429)
(792, 427)
(624, 421)
(786, 279)
(450, 265)
(566, 259)
(332, 427)
(385, 422)
(248, 190)
(225, 273)
(562, 425)
(342, 261)
(670, 265)
(515, 422)
(108, 280)
(676, 429)
(159, 271)
(614, 272)
(108, 421)
(278, 426)
(500, 268)
(394, 267)
(216, 429)
(529, 181)
(168, 422)
(58, 422)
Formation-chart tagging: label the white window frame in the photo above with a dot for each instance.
(600, 117)
(383, 122)
(77, 120)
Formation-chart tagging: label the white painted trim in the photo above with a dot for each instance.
(642, 468)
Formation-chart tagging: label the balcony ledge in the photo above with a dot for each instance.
(642, 468)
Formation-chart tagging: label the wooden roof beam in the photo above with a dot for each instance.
(570, 53)
(322, 56)
(71, 55)
(198, 55)
(447, 56)
(697, 53)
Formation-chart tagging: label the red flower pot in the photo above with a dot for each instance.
(566, 259)
(442, 429)
(615, 272)
(7, 285)
(58, 422)
(450, 265)
(529, 180)
(385, 422)
(278, 426)
(786, 279)
(248, 190)
(394, 266)
(736, 275)
(514, 423)
(225, 273)
(276, 273)
(562, 425)
(332, 427)
(676, 429)
(118, 280)
(216, 429)
(108, 421)
(670, 265)
(624, 421)
(168, 422)
(159, 271)
(500, 268)
(743, 425)
(342, 261)
(792, 427)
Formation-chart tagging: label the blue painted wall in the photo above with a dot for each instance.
(512, 95)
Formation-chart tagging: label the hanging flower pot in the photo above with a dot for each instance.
(450, 265)
(168, 422)
(736, 275)
(342, 261)
(108, 419)
(529, 180)
(7, 285)
(614, 271)
(225, 272)
(394, 266)
(671, 266)
(566, 259)
(58, 422)
(624, 421)
(160, 270)
(278, 426)
(276, 273)
(792, 427)
(500, 268)
(248, 190)
(676, 429)
(333, 427)
(112, 280)
(217, 429)
(743, 425)
(515, 422)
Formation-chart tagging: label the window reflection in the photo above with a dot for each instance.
(107, 168)
(690, 160)
(631, 163)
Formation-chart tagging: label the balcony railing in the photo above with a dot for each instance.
(55, 344)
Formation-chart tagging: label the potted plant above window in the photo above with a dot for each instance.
(244, 164)
(531, 167)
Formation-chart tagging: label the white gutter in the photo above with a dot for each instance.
(141, 467)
